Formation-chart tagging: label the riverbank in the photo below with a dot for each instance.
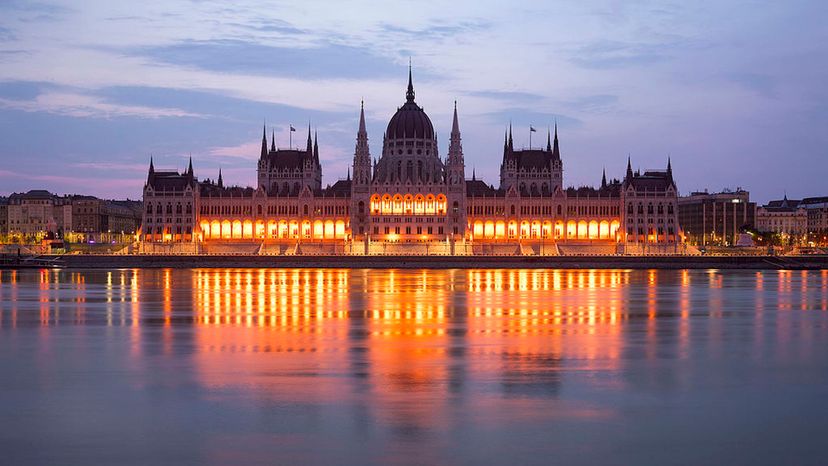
(812, 262)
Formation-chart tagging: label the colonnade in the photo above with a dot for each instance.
(408, 204)
(525, 229)
(272, 229)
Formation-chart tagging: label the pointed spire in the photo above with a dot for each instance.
(604, 178)
(309, 149)
(273, 141)
(349, 173)
(629, 167)
(220, 181)
(362, 129)
(455, 125)
(409, 94)
(474, 175)
(669, 169)
(548, 143)
(190, 167)
(556, 151)
(511, 142)
(264, 140)
(152, 167)
(315, 147)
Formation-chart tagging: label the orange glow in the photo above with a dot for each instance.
(408, 204)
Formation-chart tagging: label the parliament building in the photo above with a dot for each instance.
(411, 201)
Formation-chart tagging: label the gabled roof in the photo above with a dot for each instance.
(612, 189)
(210, 189)
(163, 180)
(478, 188)
(33, 194)
(341, 188)
(528, 159)
(651, 180)
(287, 158)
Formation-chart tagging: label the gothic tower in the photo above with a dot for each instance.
(360, 184)
(456, 181)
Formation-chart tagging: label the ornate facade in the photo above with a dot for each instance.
(411, 201)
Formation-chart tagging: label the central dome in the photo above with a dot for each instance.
(410, 121)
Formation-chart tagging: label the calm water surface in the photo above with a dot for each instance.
(413, 367)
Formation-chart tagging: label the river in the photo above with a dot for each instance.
(303, 366)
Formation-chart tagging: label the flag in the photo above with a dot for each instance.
(532, 129)
(292, 128)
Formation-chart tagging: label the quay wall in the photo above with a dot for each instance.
(445, 262)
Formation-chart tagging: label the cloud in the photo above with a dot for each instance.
(108, 186)
(6, 35)
(524, 117)
(109, 166)
(597, 103)
(436, 30)
(508, 96)
(88, 106)
(762, 84)
(326, 60)
(246, 150)
(614, 54)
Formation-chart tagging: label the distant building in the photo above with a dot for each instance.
(785, 217)
(716, 219)
(92, 216)
(4, 215)
(38, 213)
(817, 209)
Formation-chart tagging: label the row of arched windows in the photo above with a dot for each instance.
(160, 208)
(408, 204)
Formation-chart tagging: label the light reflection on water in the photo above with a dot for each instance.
(413, 367)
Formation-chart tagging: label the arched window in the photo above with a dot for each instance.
(630, 208)
(650, 208)
(259, 209)
(640, 208)
(513, 209)
(660, 208)
(670, 209)
(361, 208)
(560, 209)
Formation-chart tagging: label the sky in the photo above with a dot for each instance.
(734, 92)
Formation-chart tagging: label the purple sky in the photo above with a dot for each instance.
(734, 91)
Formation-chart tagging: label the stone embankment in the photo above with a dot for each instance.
(812, 262)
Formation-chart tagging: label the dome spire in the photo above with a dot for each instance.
(409, 94)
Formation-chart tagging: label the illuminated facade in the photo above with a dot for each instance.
(411, 201)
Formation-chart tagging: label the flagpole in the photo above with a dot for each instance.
(530, 137)
(290, 137)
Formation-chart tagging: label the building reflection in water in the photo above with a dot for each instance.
(412, 350)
